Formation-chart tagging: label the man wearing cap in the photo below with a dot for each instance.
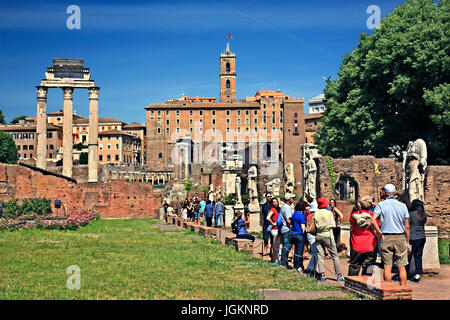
(393, 233)
(325, 223)
(286, 213)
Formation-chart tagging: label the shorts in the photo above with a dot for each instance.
(195, 215)
(394, 250)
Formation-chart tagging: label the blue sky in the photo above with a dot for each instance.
(143, 52)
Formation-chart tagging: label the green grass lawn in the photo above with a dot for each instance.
(134, 259)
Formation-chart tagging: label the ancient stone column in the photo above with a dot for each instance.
(186, 162)
(68, 132)
(41, 127)
(93, 135)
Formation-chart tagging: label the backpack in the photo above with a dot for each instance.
(311, 226)
(279, 221)
(234, 227)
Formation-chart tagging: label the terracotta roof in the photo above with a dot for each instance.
(133, 125)
(27, 127)
(115, 132)
(313, 116)
(100, 120)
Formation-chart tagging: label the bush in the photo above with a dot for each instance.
(11, 209)
(229, 199)
(84, 156)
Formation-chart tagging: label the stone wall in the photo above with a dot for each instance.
(112, 199)
(362, 170)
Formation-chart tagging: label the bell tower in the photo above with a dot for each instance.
(227, 75)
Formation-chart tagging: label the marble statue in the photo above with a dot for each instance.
(273, 187)
(219, 191)
(289, 179)
(211, 193)
(415, 164)
(238, 190)
(309, 174)
(252, 188)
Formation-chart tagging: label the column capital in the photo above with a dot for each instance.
(93, 93)
(68, 93)
(41, 92)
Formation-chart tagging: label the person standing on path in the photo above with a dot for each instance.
(417, 239)
(312, 265)
(219, 208)
(209, 209)
(274, 233)
(265, 209)
(324, 220)
(202, 210)
(338, 217)
(298, 223)
(393, 233)
(363, 251)
(286, 213)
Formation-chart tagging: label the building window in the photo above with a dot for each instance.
(117, 146)
(256, 121)
(108, 157)
(273, 105)
(167, 130)
(247, 112)
(159, 112)
(228, 121)
(247, 129)
(167, 113)
(191, 112)
(200, 112)
(247, 121)
(238, 121)
(51, 147)
(152, 113)
(201, 129)
(214, 129)
(295, 115)
(191, 122)
(214, 112)
(228, 112)
(158, 122)
(49, 135)
(117, 157)
(191, 130)
(31, 135)
(25, 147)
(100, 158)
(213, 121)
(167, 122)
(100, 147)
(30, 147)
(273, 129)
(228, 84)
(239, 129)
(228, 67)
(178, 130)
(265, 129)
(109, 147)
(239, 112)
(228, 130)
(256, 129)
(158, 130)
(178, 112)
(201, 122)
(178, 122)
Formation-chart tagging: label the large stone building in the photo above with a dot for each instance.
(24, 136)
(266, 129)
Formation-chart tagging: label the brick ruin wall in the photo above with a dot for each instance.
(112, 199)
(362, 169)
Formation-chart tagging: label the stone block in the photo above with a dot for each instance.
(245, 245)
(377, 288)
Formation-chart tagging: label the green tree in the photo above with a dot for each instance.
(8, 149)
(394, 87)
(188, 185)
(2, 119)
(84, 158)
(16, 120)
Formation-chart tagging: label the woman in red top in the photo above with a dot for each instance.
(363, 251)
(275, 237)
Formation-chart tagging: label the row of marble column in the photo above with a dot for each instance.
(140, 176)
(41, 131)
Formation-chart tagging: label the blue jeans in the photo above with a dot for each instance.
(286, 248)
(218, 216)
(298, 252)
